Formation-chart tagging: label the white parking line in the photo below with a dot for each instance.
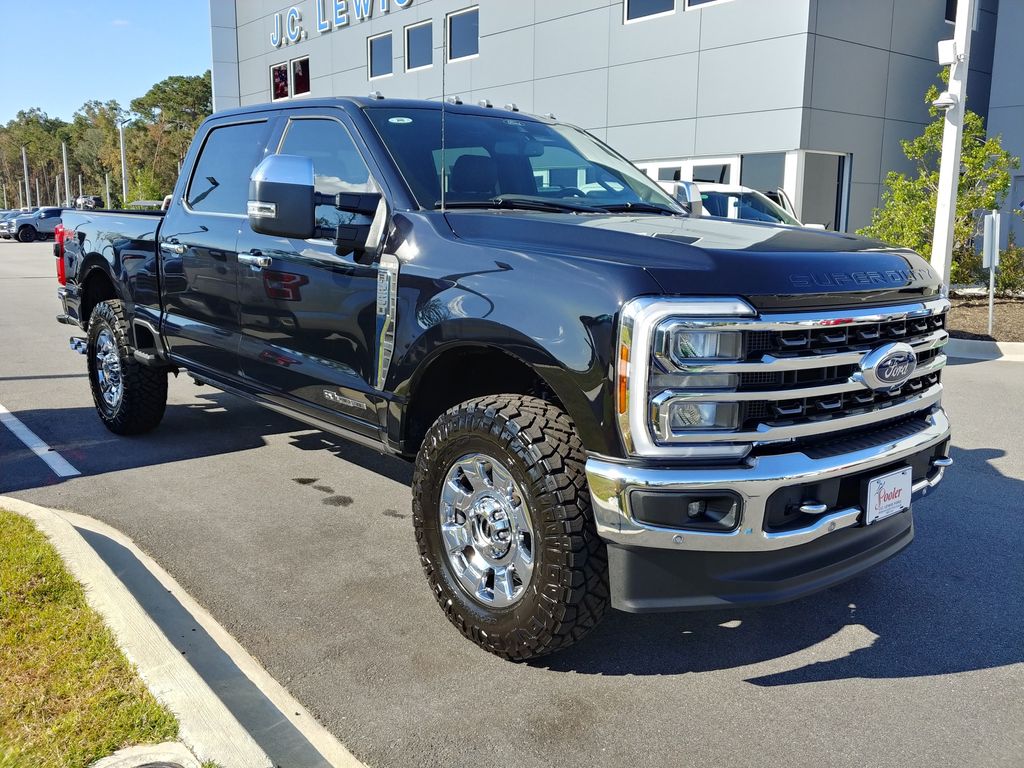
(60, 466)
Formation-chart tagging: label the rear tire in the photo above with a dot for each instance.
(529, 450)
(130, 397)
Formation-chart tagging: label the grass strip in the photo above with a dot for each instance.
(68, 696)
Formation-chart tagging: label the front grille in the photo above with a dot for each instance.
(778, 413)
(798, 378)
(836, 337)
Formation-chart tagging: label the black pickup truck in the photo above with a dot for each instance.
(608, 401)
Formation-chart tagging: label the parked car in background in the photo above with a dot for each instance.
(88, 202)
(732, 201)
(36, 225)
(7, 231)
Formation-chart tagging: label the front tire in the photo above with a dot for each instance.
(130, 398)
(27, 234)
(504, 527)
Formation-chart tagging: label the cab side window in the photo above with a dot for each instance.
(337, 164)
(220, 183)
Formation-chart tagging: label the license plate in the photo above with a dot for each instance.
(888, 495)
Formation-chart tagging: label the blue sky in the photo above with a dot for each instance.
(66, 52)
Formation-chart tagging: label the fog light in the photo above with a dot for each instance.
(715, 511)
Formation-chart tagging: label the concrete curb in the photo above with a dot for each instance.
(172, 752)
(332, 750)
(206, 725)
(973, 349)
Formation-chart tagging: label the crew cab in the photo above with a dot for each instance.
(608, 402)
(30, 226)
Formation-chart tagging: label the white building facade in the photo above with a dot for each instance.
(810, 96)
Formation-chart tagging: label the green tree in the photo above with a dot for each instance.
(907, 214)
(169, 114)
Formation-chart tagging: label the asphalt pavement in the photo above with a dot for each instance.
(301, 545)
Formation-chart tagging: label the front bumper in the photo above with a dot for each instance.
(660, 568)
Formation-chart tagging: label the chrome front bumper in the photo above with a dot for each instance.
(611, 484)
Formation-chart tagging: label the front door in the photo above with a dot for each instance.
(308, 318)
(198, 255)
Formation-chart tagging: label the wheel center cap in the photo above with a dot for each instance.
(491, 527)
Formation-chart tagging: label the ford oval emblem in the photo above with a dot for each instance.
(888, 367)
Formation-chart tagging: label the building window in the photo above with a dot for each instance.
(464, 34)
(641, 9)
(379, 56)
(713, 173)
(300, 76)
(951, 11)
(419, 46)
(279, 82)
(669, 173)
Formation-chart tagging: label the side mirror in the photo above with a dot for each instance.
(688, 195)
(281, 197)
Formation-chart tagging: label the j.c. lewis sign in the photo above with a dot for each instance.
(330, 14)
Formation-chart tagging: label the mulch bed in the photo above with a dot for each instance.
(968, 318)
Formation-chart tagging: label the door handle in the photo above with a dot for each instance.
(172, 247)
(255, 260)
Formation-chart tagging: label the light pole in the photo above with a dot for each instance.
(67, 176)
(955, 53)
(24, 164)
(124, 162)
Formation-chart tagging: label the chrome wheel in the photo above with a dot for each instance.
(108, 369)
(487, 531)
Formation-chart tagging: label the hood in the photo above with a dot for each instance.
(771, 266)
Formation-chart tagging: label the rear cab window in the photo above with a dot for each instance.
(220, 181)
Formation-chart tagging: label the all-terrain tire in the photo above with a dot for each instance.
(568, 592)
(144, 389)
(27, 234)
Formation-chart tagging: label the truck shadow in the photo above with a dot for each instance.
(949, 603)
(219, 423)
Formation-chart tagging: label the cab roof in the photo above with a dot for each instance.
(367, 102)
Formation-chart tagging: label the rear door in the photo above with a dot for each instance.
(309, 319)
(198, 255)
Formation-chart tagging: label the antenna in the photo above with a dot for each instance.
(444, 112)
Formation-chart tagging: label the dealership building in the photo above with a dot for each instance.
(810, 96)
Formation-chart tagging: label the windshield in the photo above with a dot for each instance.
(752, 206)
(487, 158)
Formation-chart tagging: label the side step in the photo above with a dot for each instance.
(78, 344)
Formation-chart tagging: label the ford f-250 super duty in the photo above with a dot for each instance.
(608, 402)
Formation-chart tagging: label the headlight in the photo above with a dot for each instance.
(679, 345)
(673, 376)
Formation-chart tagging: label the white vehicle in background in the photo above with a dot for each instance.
(732, 201)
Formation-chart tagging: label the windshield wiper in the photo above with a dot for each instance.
(640, 207)
(524, 203)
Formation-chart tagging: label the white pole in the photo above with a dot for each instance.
(952, 135)
(39, 200)
(124, 167)
(28, 191)
(79, 185)
(5, 197)
(67, 176)
(106, 181)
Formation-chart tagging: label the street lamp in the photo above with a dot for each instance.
(956, 54)
(124, 162)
